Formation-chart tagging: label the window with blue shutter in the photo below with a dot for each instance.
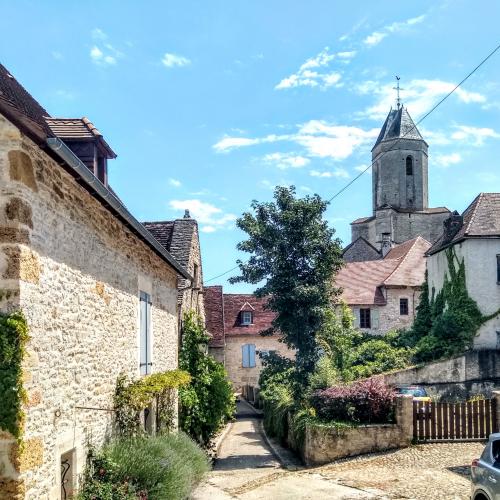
(145, 362)
(248, 355)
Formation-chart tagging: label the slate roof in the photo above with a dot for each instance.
(21, 108)
(78, 129)
(222, 312)
(175, 236)
(398, 125)
(362, 283)
(359, 249)
(214, 314)
(481, 219)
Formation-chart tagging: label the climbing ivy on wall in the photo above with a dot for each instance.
(446, 322)
(13, 339)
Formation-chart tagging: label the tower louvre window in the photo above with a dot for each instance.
(409, 165)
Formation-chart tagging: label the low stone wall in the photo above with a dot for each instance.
(476, 372)
(322, 445)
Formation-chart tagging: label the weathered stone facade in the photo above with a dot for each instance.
(239, 375)
(75, 271)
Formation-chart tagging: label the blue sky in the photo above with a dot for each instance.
(210, 104)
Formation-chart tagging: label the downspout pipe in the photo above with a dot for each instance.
(81, 171)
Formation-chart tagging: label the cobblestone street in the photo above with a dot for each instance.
(247, 469)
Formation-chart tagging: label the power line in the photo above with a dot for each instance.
(350, 183)
(220, 275)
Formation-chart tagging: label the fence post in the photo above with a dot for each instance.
(495, 396)
(404, 417)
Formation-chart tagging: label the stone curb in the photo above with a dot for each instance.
(277, 451)
(221, 437)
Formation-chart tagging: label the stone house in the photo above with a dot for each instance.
(180, 237)
(400, 195)
(99, 293)
(474, 238)
(235, 322)
(383, 294)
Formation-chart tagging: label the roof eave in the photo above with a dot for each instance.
(110, 201)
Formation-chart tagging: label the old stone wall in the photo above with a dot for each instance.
(79, 272)
(323, 445)
(476, 372)
(240, 376)
(386, 318)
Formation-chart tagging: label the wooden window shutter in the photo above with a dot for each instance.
(145, 354)
(251, 355)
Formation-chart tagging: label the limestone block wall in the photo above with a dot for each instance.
(323, 445)
(240, 376)
(77, 272)
(387, 317)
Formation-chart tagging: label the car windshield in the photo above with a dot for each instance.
(416, 392)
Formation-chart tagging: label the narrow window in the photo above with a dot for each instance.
(248, 355)
(498, 269)
(365, 318)
(196, 275)
(403, 307)
(409, 165)
(246, 318)
(145, 362)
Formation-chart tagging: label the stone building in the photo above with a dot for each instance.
(181, 238)
(383, 294)
(99, 293)
(400, 198)
(474, 238)
(235, 322)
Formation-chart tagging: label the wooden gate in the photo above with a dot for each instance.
(466, 421)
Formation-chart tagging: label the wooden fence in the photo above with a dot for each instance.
(465, 421)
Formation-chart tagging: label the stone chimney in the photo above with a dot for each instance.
(452, 225)
(187, 215)
(386, 243)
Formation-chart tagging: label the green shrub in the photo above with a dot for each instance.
(325, 375)
(165, 467)
(208, 401)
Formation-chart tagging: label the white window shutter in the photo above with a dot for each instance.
(356, 316)
(145, 347)
(251, 348)
(245, 353)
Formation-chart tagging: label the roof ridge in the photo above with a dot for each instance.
(474, 211)
(402, 259)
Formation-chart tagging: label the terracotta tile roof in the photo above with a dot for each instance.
(234, 303)
(72, 129)
(222, 311)
(214, 315)
(481, 219)
(404, 265)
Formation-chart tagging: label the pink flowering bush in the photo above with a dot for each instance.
(365, 401)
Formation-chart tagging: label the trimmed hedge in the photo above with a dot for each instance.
(366, 401)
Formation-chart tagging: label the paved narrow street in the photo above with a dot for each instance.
(247, 469)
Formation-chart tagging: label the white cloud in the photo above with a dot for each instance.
(419, 96)
(377, 36)
(339, 172)
(227, 143)
(57, 55)
(474, 135)
(98, 34)
(317, 137)
(362, 168)
(174, 182)
(286, 160)
(445, 160)
(209, 216)
(102, 58)
(310, 73)
(172, 60)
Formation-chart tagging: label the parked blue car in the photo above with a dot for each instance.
(485, 471)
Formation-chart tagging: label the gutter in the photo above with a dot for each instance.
(81, 171)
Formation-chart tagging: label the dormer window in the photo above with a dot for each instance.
(246, 318)
(409, 165)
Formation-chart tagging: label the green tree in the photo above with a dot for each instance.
(294, 259)
(208, 401)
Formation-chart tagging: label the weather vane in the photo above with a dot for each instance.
(397, 89)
